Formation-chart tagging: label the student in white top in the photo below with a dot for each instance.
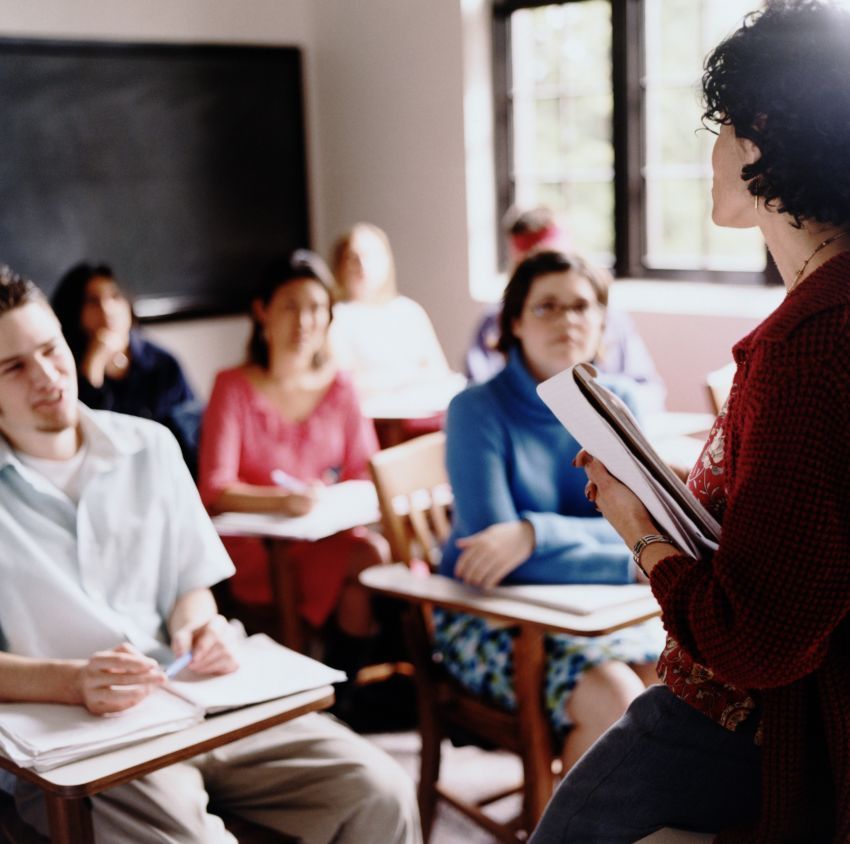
(99, 517)
(384, 339)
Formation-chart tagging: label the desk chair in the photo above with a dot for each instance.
(415, 499)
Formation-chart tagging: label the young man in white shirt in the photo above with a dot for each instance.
(107, 556)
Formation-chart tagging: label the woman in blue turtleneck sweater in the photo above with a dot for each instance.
(520, 511)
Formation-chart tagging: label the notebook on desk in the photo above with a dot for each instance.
(581, 599)
(340, 506)
(45, 735)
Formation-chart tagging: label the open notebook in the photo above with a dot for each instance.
(340, 506)
(605, 427)
(45, 735)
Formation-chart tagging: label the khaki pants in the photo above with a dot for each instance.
(311, 778)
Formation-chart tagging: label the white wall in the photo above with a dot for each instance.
(392, 145)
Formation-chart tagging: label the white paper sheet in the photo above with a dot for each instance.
(582, 599)
(340, 507)
(266, 671)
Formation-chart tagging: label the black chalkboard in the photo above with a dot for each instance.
(182, 166)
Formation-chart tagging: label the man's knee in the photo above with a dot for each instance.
(383, 798)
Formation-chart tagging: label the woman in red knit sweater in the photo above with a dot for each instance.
(748, 736)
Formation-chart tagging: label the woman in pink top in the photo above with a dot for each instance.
(288, 412)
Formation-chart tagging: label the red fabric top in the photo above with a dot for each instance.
(768, 611)
(244, 437)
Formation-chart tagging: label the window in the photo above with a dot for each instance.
(598, 117)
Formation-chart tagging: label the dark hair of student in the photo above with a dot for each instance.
(531, 268)
(16, 291)
(300, 265)
(68, 299)
(782, 82)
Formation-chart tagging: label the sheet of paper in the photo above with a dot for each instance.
(266, 670)
(581, 599)
(628, 456)
(45, 735)
(340, 507)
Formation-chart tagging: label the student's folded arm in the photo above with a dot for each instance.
(247, 498)
(587, 562)
(574, 549)
(763, 611)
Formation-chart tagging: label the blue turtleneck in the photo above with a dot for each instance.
(509, 458)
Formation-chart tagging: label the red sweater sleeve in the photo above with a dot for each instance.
(221, 437)
(762, 611)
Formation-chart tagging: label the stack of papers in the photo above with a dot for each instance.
(45, 735)
(340, 507)
(605, 427)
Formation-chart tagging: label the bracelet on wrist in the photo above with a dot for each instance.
(641, 545)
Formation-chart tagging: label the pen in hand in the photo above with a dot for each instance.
(178, 665)
(288, 482)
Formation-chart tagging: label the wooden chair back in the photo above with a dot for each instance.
(415, 497)
(415, 500)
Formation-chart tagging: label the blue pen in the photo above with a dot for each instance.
(178, 665)
(288, 482)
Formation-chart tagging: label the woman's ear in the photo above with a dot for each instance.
(748, 150)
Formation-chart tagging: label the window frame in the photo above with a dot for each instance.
(628, 126)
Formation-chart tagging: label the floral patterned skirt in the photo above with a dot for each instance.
(480, 656)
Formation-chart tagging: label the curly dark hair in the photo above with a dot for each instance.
(781, 81)
(528, 271)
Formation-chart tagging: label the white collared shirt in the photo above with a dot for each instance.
(81, 578)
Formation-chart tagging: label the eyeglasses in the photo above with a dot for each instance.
(550, 310)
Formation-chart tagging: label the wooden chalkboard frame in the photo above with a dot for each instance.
(259, 71)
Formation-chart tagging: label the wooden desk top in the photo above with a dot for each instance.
(398, 581)
(116, 767)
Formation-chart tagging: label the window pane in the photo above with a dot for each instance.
(680, 234)
(562, 109)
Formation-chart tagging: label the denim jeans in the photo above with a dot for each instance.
(662, 764)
